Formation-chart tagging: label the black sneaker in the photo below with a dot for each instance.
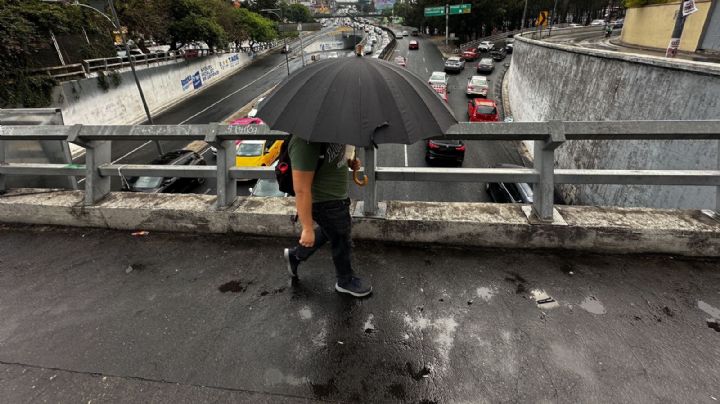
(355, 287)
(292, 262)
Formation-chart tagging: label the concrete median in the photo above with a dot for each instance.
(597, 229)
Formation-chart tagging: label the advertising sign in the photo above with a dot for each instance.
(186, 82)
(197, 80)
(689, 7)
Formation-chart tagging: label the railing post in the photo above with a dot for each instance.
(226, 186)
(2, 161)
(370, 199)
(97, 153)
(717, 188)
(544, 164)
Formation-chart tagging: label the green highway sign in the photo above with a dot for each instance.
(459, 9)
(434, 11)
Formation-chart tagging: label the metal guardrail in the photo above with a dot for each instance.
(547, 137)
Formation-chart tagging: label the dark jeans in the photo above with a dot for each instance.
(334, 225)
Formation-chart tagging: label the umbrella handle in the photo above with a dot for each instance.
(360, 182)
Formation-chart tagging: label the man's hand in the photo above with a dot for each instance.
(307, 238)
(354, 164)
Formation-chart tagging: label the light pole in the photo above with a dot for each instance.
(522, 23)
(116, 24)
(285, 45)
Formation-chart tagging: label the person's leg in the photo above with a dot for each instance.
(303, 253)
(334, 219)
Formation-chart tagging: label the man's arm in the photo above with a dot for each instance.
(302, 184)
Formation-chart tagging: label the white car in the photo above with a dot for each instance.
(477, 85)
(438, 79)
(368, 49)
(485, 46)
(597, 23)
(404, 33)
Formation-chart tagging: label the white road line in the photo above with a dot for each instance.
(406, 163)
(426, 70)
(205, 109)
(424, 59)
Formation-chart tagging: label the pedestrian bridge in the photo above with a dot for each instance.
(540, 225)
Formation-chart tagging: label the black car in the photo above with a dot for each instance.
(498, 55)
(485, 65)
(509, 45)
(155, 185)
(507, 192)
(445, 151)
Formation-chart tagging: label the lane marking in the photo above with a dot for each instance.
(426, 70)
(424, 59)
(406, 159)
(205, 109)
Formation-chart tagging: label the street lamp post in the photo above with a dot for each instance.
(285, 45)
(115, 21)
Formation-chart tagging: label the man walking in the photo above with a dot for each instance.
(320, 181)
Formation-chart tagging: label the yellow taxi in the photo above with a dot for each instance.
(257, 153)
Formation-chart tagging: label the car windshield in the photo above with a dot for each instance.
(267, 188)
(148, 182)
(485, 110)
(478, 81)
(486, 62)
(249, 149)
(437, 77)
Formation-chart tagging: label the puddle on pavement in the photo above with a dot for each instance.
(324, 390)
(306, 313)
(235, 286)
(519, 282)
(543, 300)
(593, 305)
(397, 391)
(369, 327)
(712, 311)
(486, 293)
(423, 373)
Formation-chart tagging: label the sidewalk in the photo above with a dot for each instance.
(90, 315)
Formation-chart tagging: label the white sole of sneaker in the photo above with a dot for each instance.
(350, 292)
(286, 254)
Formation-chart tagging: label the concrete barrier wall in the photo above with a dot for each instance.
(613, 230)
(84, 102)
(652, 26)
(554, 81)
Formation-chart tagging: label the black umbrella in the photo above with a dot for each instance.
(358, 101)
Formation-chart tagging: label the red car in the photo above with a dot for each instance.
(401, 61)
(413, 45)
(470, 55)
(482, 110)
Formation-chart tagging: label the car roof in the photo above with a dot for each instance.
(482, 78)
(413, 41)
(486, 60)
(453, 58)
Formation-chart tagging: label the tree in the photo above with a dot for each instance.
(194, 20)
(25, 29)
(296, 12)
(146, 18)
(259, 28)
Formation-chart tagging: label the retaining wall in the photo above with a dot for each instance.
(84, 102)
(553, 81)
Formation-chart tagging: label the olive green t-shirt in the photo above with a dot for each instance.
(331, 179)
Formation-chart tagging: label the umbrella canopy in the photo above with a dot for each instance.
(358, 101)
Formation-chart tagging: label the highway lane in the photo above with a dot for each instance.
(423, 62)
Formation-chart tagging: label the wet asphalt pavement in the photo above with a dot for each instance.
(90, 315)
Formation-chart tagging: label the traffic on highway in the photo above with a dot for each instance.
(470, 83)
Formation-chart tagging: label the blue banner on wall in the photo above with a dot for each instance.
(196, 80)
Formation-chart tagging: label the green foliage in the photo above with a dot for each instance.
(25, 27)
(102, 81)
(259, 28)
(115, 78)
(194, 20)
(296, 12)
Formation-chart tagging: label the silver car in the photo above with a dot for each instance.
(454, 64)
